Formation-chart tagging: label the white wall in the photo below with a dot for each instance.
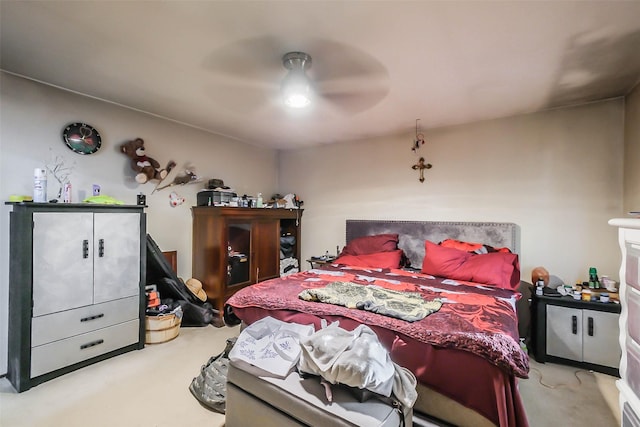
(32, 117)
(632, 151)
(557, 174)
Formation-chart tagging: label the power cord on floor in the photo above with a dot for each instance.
(575, 373)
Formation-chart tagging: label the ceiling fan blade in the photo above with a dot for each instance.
(334, 60)
(353, 84)
(353, 103)
(257, 59)
(354, 95)
(242, 95)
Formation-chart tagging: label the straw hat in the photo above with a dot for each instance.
(195, 286)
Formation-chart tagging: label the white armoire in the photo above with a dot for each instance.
(76, 291)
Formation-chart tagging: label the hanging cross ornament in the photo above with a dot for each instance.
(421, 166)
(417, 143)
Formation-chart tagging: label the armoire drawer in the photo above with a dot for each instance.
(58, 354)
(65, 324)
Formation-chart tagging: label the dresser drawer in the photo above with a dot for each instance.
(629, 418)
(632, 235)
(58, 354)
(632, 276)
(633, 366)
(64, 324)
(633, 316)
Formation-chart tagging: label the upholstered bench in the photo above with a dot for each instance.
(293, 401)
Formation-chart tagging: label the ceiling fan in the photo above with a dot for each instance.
(262, 74)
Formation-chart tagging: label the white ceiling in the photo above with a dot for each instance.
(379, 66)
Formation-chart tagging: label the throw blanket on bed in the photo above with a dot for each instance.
(358, 359)
(269, 347)
(473, 318)
(409, 306)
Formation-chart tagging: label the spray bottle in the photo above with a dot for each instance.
(40, 185)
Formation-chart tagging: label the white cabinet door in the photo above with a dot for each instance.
(62, 261)
(600, 338)
(117, 256)
(564, 332)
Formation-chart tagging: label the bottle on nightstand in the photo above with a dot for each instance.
(594, 283)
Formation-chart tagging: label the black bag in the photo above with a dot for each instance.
(287, 246)
(193, 313)
(159, 273)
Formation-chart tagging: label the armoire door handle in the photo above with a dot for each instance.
(574, 324)
(85, 249)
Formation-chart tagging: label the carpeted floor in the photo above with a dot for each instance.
(558, 395)
(150, 388)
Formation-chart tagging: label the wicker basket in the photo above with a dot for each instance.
(161, 328)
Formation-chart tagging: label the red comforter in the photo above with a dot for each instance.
(477, 324)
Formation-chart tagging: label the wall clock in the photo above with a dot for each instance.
(81, 138)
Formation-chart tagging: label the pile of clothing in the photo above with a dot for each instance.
(356, 359)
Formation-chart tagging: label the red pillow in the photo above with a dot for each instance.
(442, 261)
(496, 268)
(390, 259)
(471, 246)
(371, 244)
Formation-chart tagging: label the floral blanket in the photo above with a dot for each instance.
(474, 318)
(409, 306)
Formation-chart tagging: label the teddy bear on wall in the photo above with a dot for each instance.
(146, 167)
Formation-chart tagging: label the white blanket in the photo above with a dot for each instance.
(269, 347)
(358, 359)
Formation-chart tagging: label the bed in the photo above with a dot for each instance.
(466, 356)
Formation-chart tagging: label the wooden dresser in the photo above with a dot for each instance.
(76, 287)
(236, 247)
(629, 383)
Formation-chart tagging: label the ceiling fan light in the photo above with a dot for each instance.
(296, 88)
(297, 101)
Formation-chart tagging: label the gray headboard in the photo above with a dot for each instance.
(412, 234)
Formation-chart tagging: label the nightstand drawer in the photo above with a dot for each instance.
(58, 354)
(64, 324)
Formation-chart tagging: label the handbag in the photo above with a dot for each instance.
(210, 386)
